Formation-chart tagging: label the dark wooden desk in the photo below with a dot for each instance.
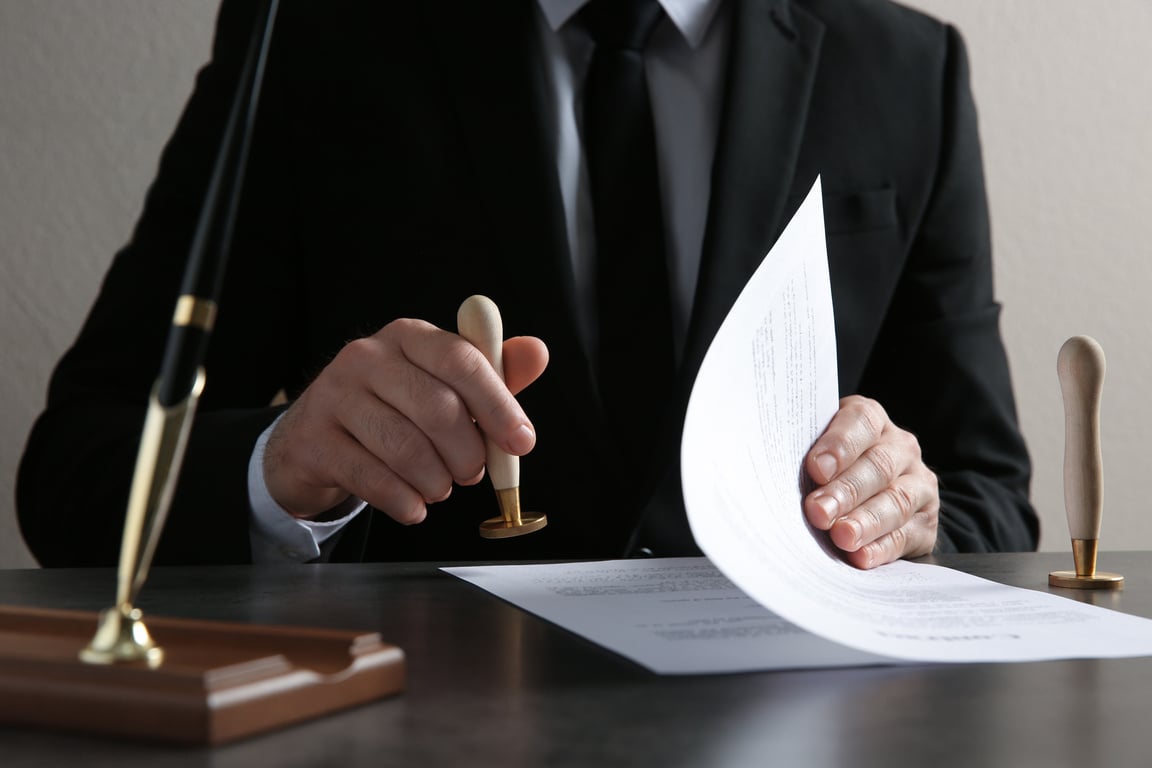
(489, 685)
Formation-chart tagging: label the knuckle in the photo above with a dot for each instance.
(854, 444)
(933, 484)
(865, 424)
(472, 372)
(902, 501)
(857, 404)
(883, 462)
(471, 363)
(929, 519)
(908, 444)
(399, 443)
(406, 446)
(868, 413)
(873, 518)
(359, 352)
(897, 542)
(440, 407)
(502, 407)
(466, 368)
(852, 489)
(874, 417)
(402, 326)
(386, 424)
(853, 403)
(887, 549)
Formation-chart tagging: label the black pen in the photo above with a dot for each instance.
(121, 635)
(196, 308)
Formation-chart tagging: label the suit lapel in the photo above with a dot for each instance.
(772, 65)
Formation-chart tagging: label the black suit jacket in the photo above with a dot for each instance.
(402, 162)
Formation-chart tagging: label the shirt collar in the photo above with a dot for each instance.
(691, 17)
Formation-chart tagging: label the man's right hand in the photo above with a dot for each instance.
(396, 418)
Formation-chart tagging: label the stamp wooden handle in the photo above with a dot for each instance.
(1080, 366)
(478, 321)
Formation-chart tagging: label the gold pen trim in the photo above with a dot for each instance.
(195, 312)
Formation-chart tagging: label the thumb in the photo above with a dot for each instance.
(525, 358)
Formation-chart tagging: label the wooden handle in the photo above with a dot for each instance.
(478, 321)
(1080, 366)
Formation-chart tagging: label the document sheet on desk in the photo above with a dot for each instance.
(772, 592)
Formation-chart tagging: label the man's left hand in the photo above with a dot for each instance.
(877, 499)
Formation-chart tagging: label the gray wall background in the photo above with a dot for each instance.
(92, 88)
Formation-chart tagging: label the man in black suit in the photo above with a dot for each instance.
(409, 155)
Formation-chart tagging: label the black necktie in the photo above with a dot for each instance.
(636, 358)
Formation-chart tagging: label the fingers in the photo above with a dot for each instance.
(311, 464)
(856, 427)
(900, 521)
(365, 476)
(467, 373)
(876, 498)
(404, 415)
(339, 440)
(915, 538)
(393, 420)
(444, 448)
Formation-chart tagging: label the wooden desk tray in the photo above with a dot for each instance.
(218, 681)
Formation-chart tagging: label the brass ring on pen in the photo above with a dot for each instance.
(195, 312)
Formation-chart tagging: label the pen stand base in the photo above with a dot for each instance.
(1098, 580)
(218, 681)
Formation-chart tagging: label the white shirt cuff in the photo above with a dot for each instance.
(275, 535)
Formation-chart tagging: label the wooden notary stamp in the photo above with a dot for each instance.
(1080, 366)
(478, 321)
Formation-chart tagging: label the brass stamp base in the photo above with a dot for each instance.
(499, 528)
(1085, 576)
(1098, 580)
(511, 522)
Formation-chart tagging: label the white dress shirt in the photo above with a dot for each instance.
(684, 61)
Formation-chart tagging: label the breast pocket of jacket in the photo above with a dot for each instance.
(866, 256)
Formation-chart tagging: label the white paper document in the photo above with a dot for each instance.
(772, 592)
(671, 615)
